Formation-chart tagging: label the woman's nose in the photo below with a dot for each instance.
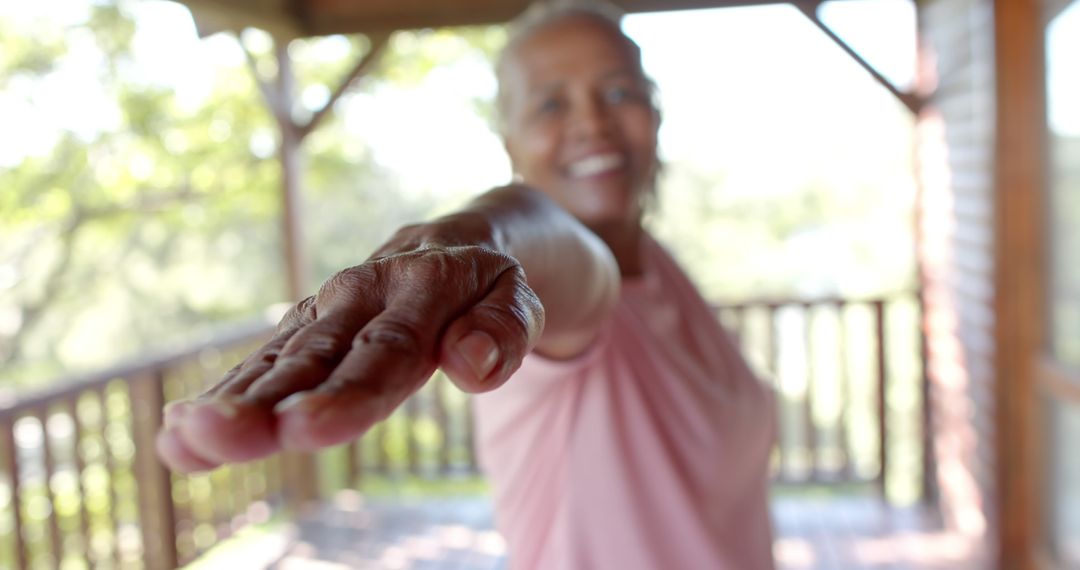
(591, 118)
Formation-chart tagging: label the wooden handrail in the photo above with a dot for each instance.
(14, 403)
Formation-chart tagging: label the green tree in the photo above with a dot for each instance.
(165, 224)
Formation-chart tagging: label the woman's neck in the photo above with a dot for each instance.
(625, 244)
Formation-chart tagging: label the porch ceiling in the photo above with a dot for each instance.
(301, 18)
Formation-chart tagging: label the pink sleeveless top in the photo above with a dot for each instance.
(648, 452)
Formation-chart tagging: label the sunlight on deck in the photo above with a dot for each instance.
(843, 532)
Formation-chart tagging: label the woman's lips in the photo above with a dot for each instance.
(595, 165)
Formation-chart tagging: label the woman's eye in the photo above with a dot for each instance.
(549, 106)
(617, 95)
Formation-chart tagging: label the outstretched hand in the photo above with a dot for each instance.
(345, 358)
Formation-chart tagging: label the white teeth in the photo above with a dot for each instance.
(595, 165)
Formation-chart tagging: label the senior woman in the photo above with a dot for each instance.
(618, 425)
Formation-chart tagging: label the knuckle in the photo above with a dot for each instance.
(268, 356)
(390, 335)
(319, 350)
(297, 315)
(348, 282)
(346, 288)
(512, 319)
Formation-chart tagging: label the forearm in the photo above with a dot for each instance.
(569, 268)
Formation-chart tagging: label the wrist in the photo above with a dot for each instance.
(464, 228)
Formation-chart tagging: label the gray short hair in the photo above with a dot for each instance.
(542, 13)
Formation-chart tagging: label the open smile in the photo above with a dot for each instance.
(595, 165)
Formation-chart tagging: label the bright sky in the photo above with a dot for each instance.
(739, 85)
(735, 85)
(1063, 72)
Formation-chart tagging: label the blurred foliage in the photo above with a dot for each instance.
(162, 222)
(165, 224)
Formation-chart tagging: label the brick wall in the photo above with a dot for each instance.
(955, 161)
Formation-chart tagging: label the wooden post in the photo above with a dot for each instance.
(290, 139)
(923, 87)
(157, 515)
(1019, 180)
(929, 463)
(299, 471)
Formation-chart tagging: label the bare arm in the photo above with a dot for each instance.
(568, 267)
(469, 293)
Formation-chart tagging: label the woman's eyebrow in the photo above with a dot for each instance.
(546, 89)
(620, 73)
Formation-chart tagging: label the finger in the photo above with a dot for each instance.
(483, 347)
(176, 455)
(193, 429)
(242, 427)
(310, 355)
(240, 377)
(389, 360)
(226, 431)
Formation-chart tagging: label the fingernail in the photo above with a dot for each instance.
(480, 351)
(292, 402)
(223, 409)
(173, 411)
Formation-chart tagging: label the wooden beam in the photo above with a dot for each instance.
(270, 97)
(213, 16)
(287, 19)
(1020, 187)
(910, 100)
(403, 14)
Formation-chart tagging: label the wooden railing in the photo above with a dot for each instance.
(837, 365)
(79, 480)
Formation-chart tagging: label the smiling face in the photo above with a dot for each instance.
(579, 120)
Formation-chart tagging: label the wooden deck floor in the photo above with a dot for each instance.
(813, 533)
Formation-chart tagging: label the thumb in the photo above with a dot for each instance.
(483, 347)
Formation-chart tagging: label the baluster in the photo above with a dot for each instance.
(55, 541)
(739, 316)
(412, 449)
(353, 462)
(382, 454)
(157, 514)
(80, 469)
(772, 364)
(442, 419)
(275, 487)
(241, 475)
(470, 438)
(11, 451)
(110, 469)
(844, 381)
(810, 423)
(882, 395)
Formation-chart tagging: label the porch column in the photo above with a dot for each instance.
(291, 158)
(1019, 181)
